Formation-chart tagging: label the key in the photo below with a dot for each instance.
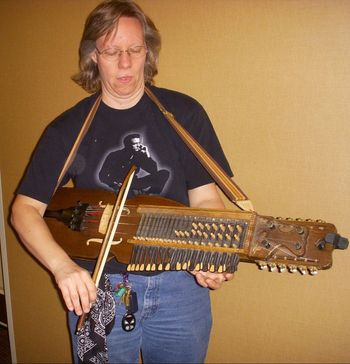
(131, 304)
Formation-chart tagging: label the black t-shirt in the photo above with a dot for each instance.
(116, 140)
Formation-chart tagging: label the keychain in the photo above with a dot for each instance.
(129, 298)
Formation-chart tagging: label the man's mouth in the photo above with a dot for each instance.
(124, 79)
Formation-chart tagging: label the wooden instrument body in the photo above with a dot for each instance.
(272, 243)
(75, 242)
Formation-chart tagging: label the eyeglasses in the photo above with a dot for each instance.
(113, 54)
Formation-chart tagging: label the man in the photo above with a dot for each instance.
(148, 178)
(118, 56)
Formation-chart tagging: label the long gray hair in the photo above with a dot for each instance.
(102, 20)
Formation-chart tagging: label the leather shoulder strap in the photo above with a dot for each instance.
(228, 186)
(79, 139)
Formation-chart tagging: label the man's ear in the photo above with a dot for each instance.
(93, 56)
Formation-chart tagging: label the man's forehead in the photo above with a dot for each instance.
(111, 35)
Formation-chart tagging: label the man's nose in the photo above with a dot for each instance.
(124, 60)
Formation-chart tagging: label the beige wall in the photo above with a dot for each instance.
(274, 77)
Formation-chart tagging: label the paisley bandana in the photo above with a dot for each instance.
(92, 342)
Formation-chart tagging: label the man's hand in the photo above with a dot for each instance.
(212, 280)
(75, 283)
(207, 196)
(78, 289)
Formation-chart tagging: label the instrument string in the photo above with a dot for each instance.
(174, 227)
(93, 214)
(208, 231)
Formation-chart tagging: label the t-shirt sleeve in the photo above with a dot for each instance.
(40, 178)
(41, 175)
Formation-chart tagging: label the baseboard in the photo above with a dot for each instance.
(3, 314)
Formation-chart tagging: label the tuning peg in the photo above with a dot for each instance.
(302, 269)
(282, 268)
(273, 267)
(292, 268)
(262, 265)
(313, 271)
(300, 230)
(271, 225)
(338, 241)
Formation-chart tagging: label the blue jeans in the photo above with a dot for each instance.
(173, 321)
